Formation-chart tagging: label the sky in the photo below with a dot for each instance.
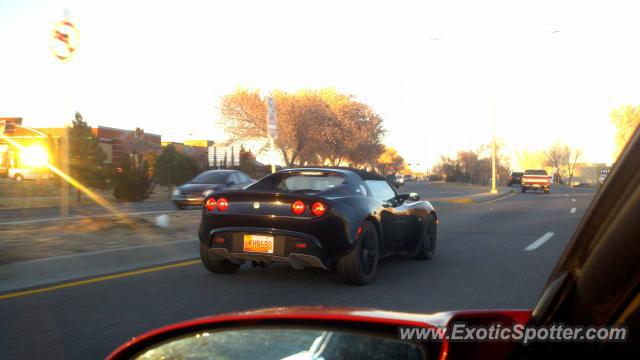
(440, 73)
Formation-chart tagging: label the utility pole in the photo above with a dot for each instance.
(493, 157)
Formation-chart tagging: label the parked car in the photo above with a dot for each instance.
(30, 173)
(316, 217)
(535, 180)
(515, 178)
(194, 192)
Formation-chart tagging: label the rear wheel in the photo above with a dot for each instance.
(179, 206)
(361, 264)
(523, 190)
(216, 266)
(428, 239)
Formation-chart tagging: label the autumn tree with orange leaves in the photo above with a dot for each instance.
(315, 127)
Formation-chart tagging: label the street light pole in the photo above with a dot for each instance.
(493, 157)
(64, 43)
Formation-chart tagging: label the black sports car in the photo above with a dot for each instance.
(316, 217)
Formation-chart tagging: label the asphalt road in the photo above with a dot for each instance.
(480, 262)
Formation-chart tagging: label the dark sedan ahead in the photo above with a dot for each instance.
(193, 192)
(515, 178)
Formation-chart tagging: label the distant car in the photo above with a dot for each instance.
(408, 177)
(515, 178)
(194, 192)
(316, 217)
(535, 180)
(395, 180)
(30, 174)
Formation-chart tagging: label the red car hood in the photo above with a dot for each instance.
(438, 319)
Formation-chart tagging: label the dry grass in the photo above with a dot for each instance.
(35, 241)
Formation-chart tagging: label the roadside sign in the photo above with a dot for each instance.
(272, 118)
(64, 40)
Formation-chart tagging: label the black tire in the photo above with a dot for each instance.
(179, 206)
(360, 265)
(523, 190)
(428, 239)
(216, 266)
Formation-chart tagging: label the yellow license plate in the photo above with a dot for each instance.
(258, 243)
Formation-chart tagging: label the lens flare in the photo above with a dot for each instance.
(34, 155)
(66, 177)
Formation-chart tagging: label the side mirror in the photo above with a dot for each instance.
(408, 197)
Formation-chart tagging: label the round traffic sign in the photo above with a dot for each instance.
(64, 42)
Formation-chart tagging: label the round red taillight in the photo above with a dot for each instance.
(223, 204)
(297, 207)
(318, 208)
(210, 204)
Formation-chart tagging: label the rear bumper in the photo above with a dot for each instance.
(297, 261)
(535, 186)
(298, 249)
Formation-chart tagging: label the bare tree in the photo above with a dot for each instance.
(557, 157)
(573, 158)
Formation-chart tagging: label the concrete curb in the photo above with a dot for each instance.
(71, 206)
(473, 199)
(39, 272)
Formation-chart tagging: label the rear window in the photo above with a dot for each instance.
(535, 172)
(213, 177)
(309, 182)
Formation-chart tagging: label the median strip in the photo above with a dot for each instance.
(76, 217)
(536, 244)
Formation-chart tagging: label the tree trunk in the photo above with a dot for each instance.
(285, 156)
(78, 196)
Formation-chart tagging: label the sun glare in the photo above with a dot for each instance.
(34, 155)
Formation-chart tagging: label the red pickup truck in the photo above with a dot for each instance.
(535, 180)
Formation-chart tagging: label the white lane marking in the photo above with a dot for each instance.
(33, 221)
(567, 195)
(574, 200)
(536, 244)
(573, 210)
